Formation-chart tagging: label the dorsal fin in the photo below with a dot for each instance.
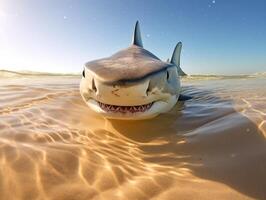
(176, 58)
(136, 40)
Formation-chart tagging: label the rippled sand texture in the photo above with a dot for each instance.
(211, 147)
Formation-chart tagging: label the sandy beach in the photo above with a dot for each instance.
(210, 147)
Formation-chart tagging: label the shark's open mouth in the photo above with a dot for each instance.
(125, 109)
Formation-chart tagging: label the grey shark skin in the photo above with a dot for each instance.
(132, 84)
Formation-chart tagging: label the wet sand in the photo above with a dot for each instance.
(211, 147)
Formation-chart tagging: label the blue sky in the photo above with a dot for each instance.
(219, 37)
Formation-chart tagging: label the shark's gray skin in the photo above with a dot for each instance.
(132, 84)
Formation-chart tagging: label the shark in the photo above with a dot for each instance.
(133, 84)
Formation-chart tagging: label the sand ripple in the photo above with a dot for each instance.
(53, 147)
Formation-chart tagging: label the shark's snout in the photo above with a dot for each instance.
(123, 93)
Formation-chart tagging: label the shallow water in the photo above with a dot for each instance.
(211, 147)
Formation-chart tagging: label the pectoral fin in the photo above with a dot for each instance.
(184, 97)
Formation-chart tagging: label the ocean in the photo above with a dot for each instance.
(210, 147)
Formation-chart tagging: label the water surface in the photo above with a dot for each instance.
(211, 147)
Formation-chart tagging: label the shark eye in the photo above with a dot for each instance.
(167, 75)
(83, 73)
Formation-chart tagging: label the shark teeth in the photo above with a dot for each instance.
(125, 109)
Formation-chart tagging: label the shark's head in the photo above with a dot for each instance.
(132, 84)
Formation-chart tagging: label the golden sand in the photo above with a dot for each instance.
(53, 147)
